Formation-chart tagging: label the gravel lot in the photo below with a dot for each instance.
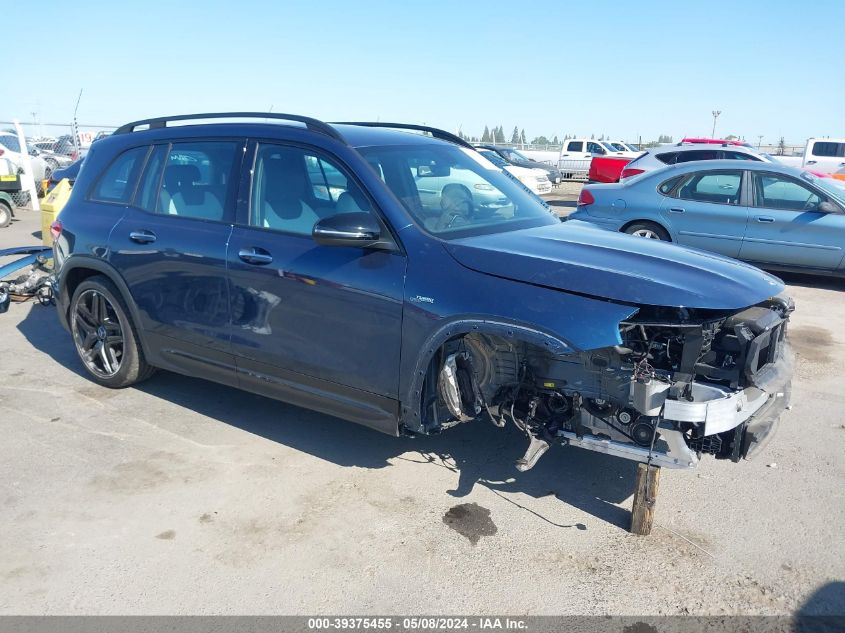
(183, 497)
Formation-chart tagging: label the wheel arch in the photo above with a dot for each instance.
(77, 269)
(662, 225)
(410, 411)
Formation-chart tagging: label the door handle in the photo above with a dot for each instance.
(811, 162)
(765, 218)
(257, 256)
(142, 237)
(676, 210)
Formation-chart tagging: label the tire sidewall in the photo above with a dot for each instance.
(5, 214)
(662, 234)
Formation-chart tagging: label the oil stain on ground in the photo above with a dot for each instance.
(470, 520)
(812, 343)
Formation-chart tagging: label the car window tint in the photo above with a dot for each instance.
(702, 154)
(595, 148)
(828, 148)
(739, 156)
(720, 187)
(198, 180)
(293, 189)
(666, 187)
(667, 158)
(148, 189)
(781, 192)
(117, 182)
(575, 146)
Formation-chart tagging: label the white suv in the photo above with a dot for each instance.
(658, 157)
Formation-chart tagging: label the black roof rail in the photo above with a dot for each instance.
(161, 122)
(435, 132)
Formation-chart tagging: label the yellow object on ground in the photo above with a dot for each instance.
(50, 208)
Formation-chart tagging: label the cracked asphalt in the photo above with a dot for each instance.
(184, 497)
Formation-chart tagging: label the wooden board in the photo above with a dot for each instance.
(645, 499)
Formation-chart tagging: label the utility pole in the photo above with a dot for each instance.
(759, 140)
(716, 114)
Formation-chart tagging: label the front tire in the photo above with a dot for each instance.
(104, 336)
(648, 230)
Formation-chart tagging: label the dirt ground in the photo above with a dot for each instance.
(183, 497)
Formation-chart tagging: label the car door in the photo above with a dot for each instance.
(786, 226)
(706, 210)
(575, 150)
(170, 248)
(826, 156)
(315, 325)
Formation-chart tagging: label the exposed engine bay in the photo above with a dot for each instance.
(683, 383)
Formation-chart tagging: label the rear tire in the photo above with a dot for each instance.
(105, 338)
(648, 230)
(5, 214)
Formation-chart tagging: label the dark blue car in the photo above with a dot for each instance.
(313, 263)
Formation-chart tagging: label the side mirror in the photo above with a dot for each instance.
(828, 207)
(347, 229)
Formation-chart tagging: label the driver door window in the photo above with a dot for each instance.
(595, 148)
(293, 189)
(773, 191)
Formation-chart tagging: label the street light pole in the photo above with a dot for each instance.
(716, 114)
(759, 140)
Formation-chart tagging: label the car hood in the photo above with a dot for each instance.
(576, 257)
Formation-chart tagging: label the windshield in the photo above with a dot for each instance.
(514, 155)
(454, 191)
(831, 186)
(494, 158)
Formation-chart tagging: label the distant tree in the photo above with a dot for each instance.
(731, 137)
(515, 135)
(593, 136)
(485, 137)
(474, 139)
(500, 134)
(663, 138)
(601, 138)
(522, 136)
(781, 147)
(540, 140)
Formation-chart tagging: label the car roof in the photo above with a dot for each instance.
(356, 136)
(713, 165)
(688, 147)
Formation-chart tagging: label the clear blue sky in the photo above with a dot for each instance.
(621, 68)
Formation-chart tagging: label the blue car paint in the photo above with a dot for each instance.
(556, 285)
(616, 266)
(771, 238)
(32, 253)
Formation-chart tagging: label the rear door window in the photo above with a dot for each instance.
(718, 187)
(117, 184)
(828, 149)
(575, 146)
(700, 154)
(193, 179)
(667, 158)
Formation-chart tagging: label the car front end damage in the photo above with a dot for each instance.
(682, 383)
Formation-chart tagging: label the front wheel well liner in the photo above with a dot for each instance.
(410, 416)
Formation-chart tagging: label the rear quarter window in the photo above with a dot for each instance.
(667, 158)
(667, 186)
(828, 148)
(117, 183)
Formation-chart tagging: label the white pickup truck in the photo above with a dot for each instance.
(825, 155)
(585, 149)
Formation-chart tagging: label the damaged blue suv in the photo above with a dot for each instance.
(390, 275)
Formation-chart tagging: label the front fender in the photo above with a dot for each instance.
(444, 300)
